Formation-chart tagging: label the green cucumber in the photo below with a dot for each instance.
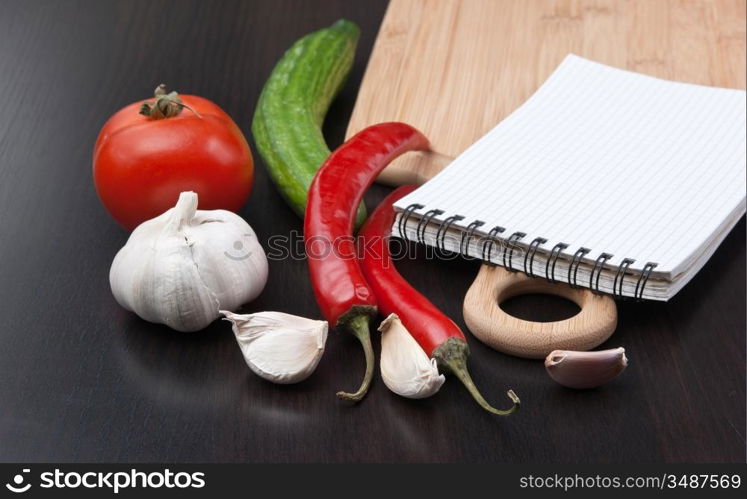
(287, 124)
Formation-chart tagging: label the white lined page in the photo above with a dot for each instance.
(607, 159)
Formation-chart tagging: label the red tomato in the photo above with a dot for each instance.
(140, 165)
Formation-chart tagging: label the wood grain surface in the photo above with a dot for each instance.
(83, 380)
(454, 69)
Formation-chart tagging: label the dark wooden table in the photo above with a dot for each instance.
(83, 380)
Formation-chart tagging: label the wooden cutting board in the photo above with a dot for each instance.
(455, 68)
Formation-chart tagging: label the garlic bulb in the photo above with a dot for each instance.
(405, 367)
(183, 266)
(279, 347)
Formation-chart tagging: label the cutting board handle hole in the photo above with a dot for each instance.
(540, 307)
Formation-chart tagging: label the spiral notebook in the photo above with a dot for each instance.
(604, 178)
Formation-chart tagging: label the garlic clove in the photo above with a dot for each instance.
(583, 370)
(279, 347)
(405, 367)
(227, 264)
(163, 285)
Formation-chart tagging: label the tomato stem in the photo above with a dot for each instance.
(452, 357)
(165, 105)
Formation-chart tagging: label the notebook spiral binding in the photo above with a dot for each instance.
(528, 264)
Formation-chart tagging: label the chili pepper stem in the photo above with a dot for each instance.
(452, 357)
(358, 326)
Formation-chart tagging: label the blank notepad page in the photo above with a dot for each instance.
(610, 160)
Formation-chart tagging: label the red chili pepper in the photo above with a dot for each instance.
(439, 337)
(341, 291)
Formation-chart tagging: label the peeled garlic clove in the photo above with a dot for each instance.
(183, 266)
(585, 369)
(405, 367)
(279, 347)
